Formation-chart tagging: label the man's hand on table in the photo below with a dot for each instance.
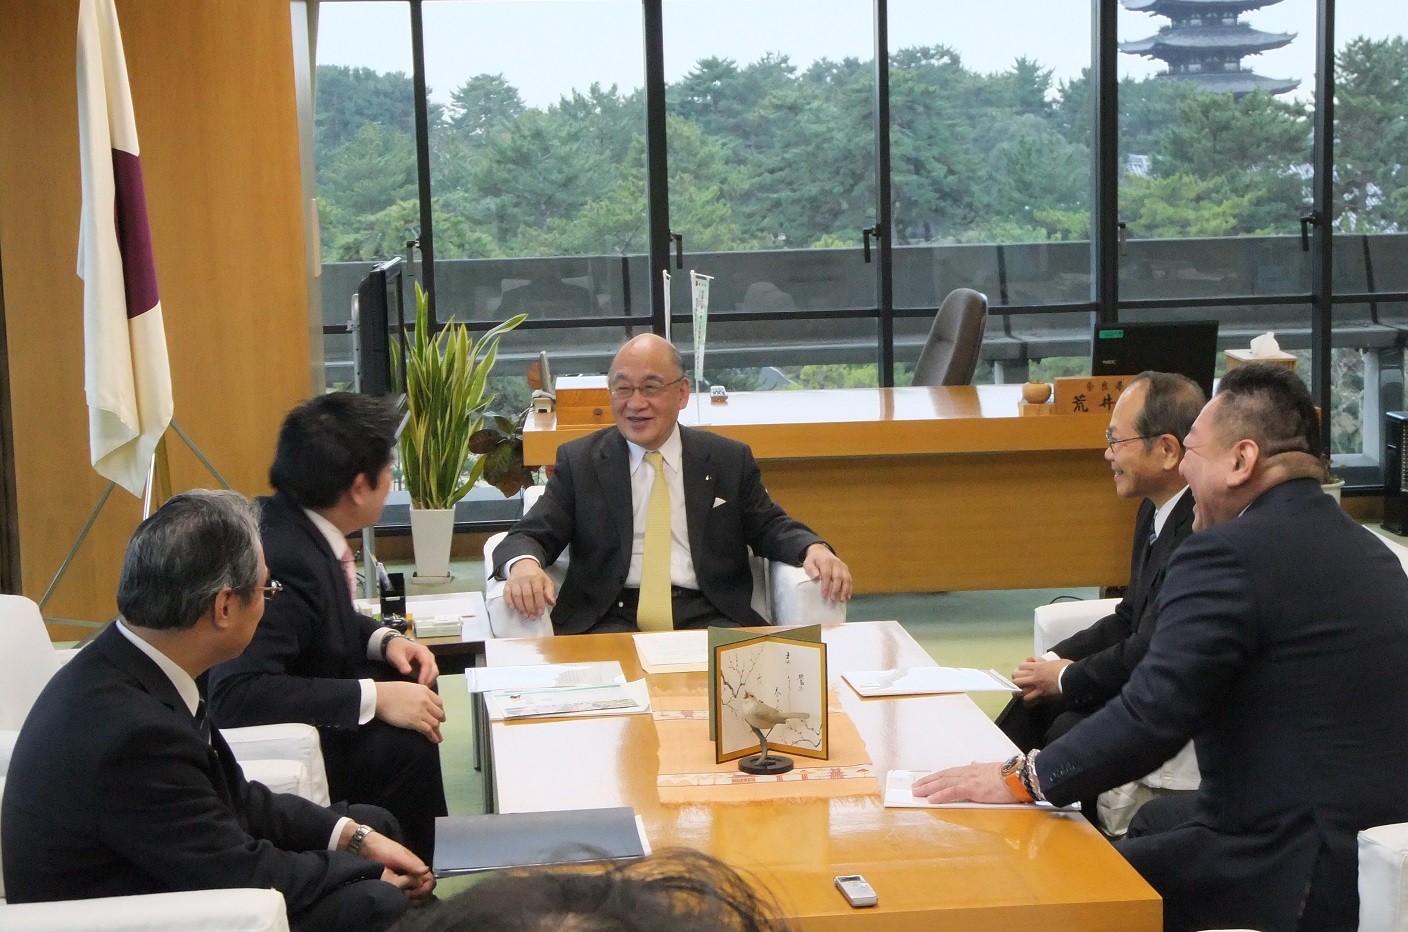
(529, 589)
(979, 783)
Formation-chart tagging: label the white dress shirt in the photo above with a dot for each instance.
(642, 480)
(340, 548)
(190, 695)
(1160, 519)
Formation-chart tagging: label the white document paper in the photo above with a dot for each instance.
(899, 794)
(568, 702)
(544, 676)
(673, 651)
(918, 681)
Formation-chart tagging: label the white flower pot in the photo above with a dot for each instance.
(1333, 489)
(431, 531)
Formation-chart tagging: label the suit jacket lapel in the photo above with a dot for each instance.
(334, 578)
(127, 658)
(613, 471)
(698, 474)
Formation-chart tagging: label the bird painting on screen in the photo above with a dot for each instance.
(762, 717)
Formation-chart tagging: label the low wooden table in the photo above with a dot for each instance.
(932, 869)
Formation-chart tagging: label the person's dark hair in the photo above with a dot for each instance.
(196, 545)
(1170, 407)
(328, 441)
(678, 890)
(1270, 405)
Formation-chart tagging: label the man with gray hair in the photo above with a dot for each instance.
(119, 786)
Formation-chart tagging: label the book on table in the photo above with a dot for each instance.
(468, 844)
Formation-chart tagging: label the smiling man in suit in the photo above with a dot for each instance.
(1080, 674)
(659, 517)
(315, 659)
(1280, 649)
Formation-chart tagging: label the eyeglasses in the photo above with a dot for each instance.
(272, 589)
(1112, 441)
(652, 390)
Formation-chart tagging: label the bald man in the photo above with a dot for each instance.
(600, 496)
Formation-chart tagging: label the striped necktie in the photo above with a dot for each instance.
(654, 611)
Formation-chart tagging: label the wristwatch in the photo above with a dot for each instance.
(354, 844)
(386, 641)
(1012, 776)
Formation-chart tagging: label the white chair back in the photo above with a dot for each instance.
(26, 663)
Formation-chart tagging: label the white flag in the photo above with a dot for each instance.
(126, 374)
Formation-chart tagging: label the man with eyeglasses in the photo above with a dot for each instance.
(1280, 652)
(315, 659)
(659, 517)
(1080, 674)
(119, 786)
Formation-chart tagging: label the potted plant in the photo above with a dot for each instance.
(446, 375)
(500, 445)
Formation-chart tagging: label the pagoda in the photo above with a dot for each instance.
(1206, 43)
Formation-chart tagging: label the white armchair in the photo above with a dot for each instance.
(238, 910)
(782, 594)
(1057, 621)
(1383, 878)
(288, 758)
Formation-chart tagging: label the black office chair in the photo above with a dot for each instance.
(950, 355)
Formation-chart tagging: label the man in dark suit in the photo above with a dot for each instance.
(119, 786)
(1281, 643)
(599, 501)
(1080, 674)
(315, 659)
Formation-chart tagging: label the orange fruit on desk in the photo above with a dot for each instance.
(1036, 392)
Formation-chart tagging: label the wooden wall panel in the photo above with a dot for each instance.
(213, 89)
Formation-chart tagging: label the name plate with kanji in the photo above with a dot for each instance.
(1089, 394)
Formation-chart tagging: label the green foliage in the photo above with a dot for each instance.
(446, 376)
(1371, 135)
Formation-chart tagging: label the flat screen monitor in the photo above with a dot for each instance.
(381, 329)
(1188, 347)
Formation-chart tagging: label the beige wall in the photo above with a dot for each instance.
(214, 92)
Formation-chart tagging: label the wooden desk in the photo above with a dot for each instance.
(927, 489)
(932, 869)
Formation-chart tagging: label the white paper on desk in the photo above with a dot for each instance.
(899, 794)
(544, 676)
(636, 691)
(918, 681)
(673, 651)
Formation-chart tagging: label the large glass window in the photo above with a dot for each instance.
(365, 153)
(537, 150)
(1371, 223)
(771, 146)
(990, 171)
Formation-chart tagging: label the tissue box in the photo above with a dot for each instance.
(1239, 357)
(439, 626)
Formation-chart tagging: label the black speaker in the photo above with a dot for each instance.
(1396, 472)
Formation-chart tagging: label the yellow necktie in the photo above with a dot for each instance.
(654, 612)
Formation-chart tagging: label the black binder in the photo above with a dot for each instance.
(467, 844)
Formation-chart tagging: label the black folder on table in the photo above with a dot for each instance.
(466, 844)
